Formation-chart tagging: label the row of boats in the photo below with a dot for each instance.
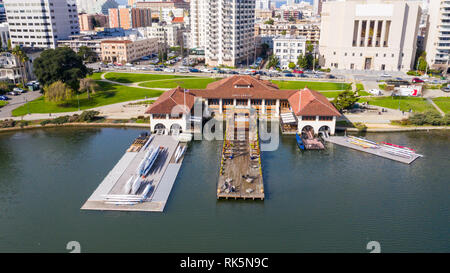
(131, 194)
(393, 149)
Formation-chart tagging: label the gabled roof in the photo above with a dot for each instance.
(308, 102)
(243, 86)
(169, 99)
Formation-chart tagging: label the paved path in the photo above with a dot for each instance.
(17, 101)
(435, 106)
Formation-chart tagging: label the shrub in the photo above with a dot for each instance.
(88, 116)
(360, 126)
(413, 73)
(45, 122)
(60, 120)
(23, 123)
(74, 118)
(430, 118)
(7, 123)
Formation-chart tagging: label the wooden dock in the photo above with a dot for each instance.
(162, 177)
(240, 174)
(343, 141)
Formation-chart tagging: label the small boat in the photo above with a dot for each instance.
(127, 186)
(300, 144)
(398, 146)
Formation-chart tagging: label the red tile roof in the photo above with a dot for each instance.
(166, 103)
(178, 20)
(308, 102)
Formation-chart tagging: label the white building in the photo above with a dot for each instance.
(96, 6)
(198, 12)
(438, 38)
(171, 34)
(262, 4)
(369, 34)
(288, 49)
(4, 34)
(11, 70)
(40, 23)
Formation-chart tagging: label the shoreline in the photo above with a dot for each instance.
(144, 125)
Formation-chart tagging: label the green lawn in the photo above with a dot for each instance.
(198, 83)
(107, 94)
(331, 94)
(3, 103)
(96, 76)
(135, 77)
(406, 103)
(443, 103)
(311, 85)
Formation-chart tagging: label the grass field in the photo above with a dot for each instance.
(331, 94)
(405, 103)
(136, 77)
(3, 103)
(443, 103)
(96, 76)
(197, 83)
(311, 85)
(107, 94)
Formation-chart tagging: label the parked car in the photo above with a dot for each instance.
(157, 69)
(375, 92)
(232, 72)
(296, 71)
(4, 98)
(445, 89)
(385, 75)
(170, 70)
(19, 90)
(13, 93)
(289, 75)
(417, 80)
(194, 70)
(206, 70)
(183, 70)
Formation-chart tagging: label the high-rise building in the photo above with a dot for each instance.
(438, 37)
(40, 23)
(369, 34)
(317, 6)
(262, 4)
(225, 29)
(96, 6)
(90, 21)
(2, 12)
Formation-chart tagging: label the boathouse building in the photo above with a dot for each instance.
(296, 110)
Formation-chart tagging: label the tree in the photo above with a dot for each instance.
(291, 19)
(265, 49)
(269, 22)
(23, 59)
(58, 92)
(345, 100)
(273, 61)
(60, 64)
(9, 45)
(422, 62)
(283, 32)
(88, 85)
(302, 62)
(291, 65)
(87, 54)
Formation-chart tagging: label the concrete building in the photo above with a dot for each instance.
(198, 15)
(76, 43)
(438, 37)
(369, 34)
(40, 23)
(2, 12)
(128, 50)
(169, 34)
(91, 21)
(128, 18)
(96, 6)
(310, 30)
(317, 7)
(230, 36)
(262, 4)
(4, 34)
(288, 48)
(303, 109)
(155, 6)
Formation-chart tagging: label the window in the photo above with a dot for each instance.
(308, 117)
(325, 118)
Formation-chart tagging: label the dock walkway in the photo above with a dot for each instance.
(162, 177)
(342, 140)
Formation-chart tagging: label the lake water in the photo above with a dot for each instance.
(332, 201)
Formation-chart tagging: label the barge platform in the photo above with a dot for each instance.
(343, 141)
(161, 178)
(240, 174)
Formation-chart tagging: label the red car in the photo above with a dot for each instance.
(417, 80)
(297, 71)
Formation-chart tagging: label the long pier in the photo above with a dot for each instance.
(162, 177)
(343, 141)
(240, 174)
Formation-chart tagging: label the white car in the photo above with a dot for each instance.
(206, 70)
(385, 75)
(170, 70)
(375, 92)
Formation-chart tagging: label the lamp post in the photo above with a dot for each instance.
(78, 99)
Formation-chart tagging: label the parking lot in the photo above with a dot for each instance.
(16, 101)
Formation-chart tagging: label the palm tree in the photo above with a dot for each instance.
(23, 59)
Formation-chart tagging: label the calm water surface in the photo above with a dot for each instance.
(333, 201)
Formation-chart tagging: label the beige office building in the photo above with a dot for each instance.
(369, 34)
(128, 50)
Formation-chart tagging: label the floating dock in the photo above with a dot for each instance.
(344, 141)
(161, 177)
(240, 174)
